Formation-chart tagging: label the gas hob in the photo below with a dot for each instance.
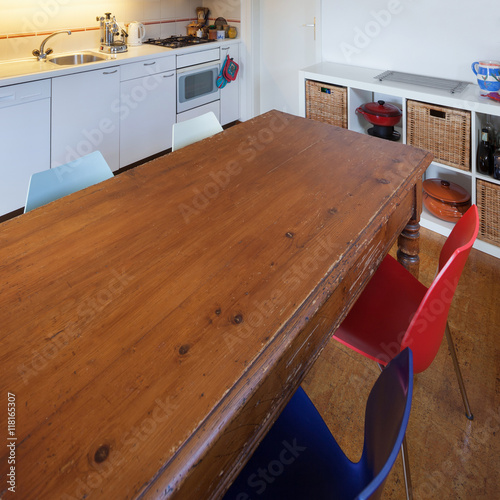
(175, 42)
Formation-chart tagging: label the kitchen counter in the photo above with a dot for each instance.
(29, 69)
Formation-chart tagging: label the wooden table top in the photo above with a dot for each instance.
(137, 316)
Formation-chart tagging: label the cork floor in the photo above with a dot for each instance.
(450, 456)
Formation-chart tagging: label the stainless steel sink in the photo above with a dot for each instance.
(76, 58)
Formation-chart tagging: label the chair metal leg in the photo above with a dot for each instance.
(406, 469)
(453, 353)
(406, 461)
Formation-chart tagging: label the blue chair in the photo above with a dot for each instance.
(194, 130)
(57, 182)
(300, 459)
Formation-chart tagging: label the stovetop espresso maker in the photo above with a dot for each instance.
(112, 35)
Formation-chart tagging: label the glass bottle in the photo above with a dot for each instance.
(492, 133)
(484, 163)
(496, 164)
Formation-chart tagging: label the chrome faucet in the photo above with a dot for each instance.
(39, 53)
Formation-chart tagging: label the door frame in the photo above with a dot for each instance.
(251, 53)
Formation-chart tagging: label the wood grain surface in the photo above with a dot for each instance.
(153, 325)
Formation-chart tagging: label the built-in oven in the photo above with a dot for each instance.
(196, 79)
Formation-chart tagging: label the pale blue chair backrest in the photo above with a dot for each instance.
(194, 130)
(57, 182)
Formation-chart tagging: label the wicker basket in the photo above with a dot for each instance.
(445, 132)
(488, 204)
(326, 103)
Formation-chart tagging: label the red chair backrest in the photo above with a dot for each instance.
(426, 329)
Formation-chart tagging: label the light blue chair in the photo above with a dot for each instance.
(57, 182)
(300, 459)
(194, 130)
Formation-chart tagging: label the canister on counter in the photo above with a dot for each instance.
(212, 33)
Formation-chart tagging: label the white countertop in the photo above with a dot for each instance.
(27, 70)
(364, 78)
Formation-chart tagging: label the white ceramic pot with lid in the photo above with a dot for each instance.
(136, 33)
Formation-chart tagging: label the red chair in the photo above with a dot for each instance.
(396, 311)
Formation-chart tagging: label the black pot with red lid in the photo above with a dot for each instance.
(383, 116)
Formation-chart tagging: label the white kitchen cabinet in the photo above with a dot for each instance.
(230, 94)
(24, 139)
(363, 86)
(86, 116)
(147, 108)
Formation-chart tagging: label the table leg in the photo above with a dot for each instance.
(409, 246)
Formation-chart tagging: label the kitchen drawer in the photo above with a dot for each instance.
(12, 95)
(200, 110)
(201, 57)
(145, 68)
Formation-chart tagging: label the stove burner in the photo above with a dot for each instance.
(174, 42)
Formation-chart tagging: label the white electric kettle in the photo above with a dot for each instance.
(136, 33)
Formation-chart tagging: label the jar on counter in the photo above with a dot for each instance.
(212, 33)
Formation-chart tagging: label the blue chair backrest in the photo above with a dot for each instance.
(299, 458)
(57, 182)
(386, 418)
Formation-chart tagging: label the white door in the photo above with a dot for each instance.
(285, 38)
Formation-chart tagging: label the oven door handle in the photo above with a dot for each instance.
(198, 67)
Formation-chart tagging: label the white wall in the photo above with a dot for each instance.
(428, 37)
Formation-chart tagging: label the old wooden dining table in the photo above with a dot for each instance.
(153, 326)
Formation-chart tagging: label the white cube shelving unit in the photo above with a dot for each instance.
(363, 87)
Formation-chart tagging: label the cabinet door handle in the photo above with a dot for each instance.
(150, 64)
(168, 76)
(30, 96)
(225, 48)
(109, 72)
